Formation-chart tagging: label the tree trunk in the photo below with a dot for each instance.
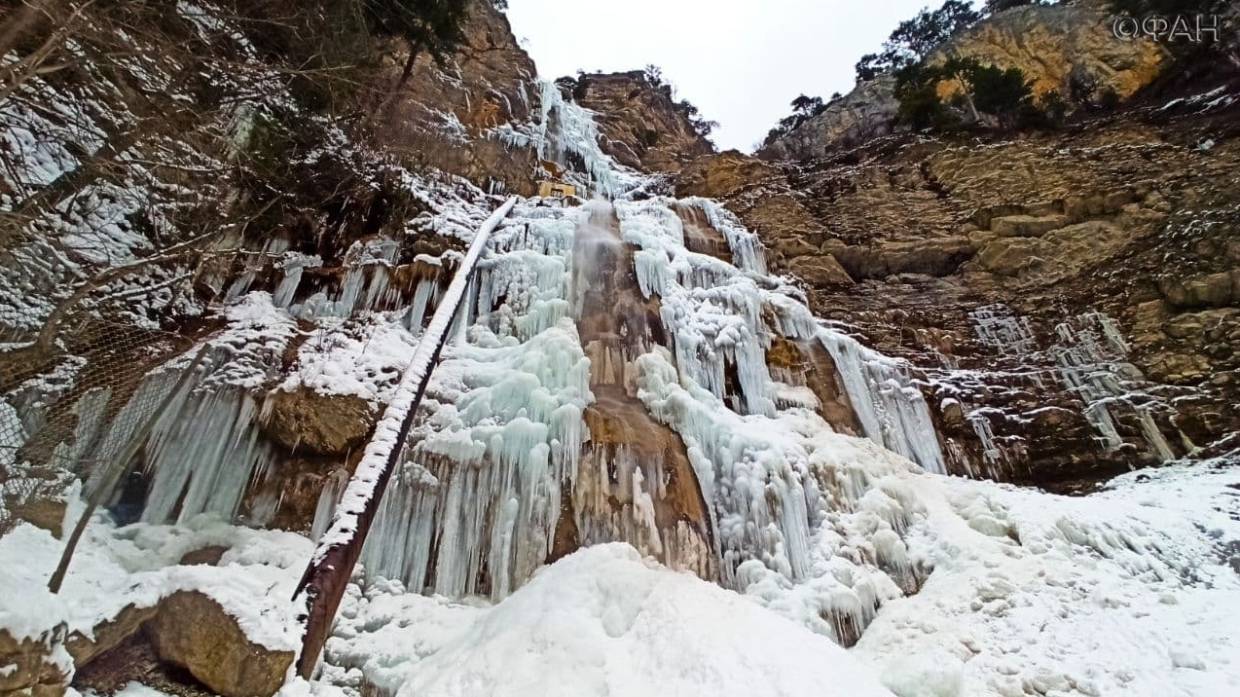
(965, 89)
(414, 50)
(327, 575)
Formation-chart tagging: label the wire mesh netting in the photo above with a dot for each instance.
(70, 411)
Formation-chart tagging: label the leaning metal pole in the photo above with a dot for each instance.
(337, 552)
(119, 470)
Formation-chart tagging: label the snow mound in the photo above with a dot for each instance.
(604, 622)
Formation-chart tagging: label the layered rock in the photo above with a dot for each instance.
(640, 124)
(867, 112)
(1069, 298)
(443, 117)
(1067, 48)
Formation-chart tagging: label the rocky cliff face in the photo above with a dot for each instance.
(445, 117)
(1068, 48)
(869, 111)
(640, 124)
(1069, 298)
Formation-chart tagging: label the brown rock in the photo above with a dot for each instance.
(29, 667)
(1027, 225)
(869, 111)
(196, 633)
(307, 421)
(939, 257)
(207, 556)
(1067, 48)
(42, 512)
(820, 270)
(639, 123)
(1212, 290)
(108, 635)
(487, 84)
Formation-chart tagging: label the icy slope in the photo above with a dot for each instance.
(1124, 593)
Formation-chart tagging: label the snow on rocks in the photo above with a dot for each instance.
(363, 359)
(137, 565)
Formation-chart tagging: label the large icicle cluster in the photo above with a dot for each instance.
(567, 135)
(776, 476)
(476, 507)
(722, 319)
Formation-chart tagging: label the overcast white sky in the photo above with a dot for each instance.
(740, 62)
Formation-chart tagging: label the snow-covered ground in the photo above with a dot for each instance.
(1133, 591)
(1127, 592)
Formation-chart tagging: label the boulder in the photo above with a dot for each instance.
(820, 270)
(28, 666)
(307, 421)
(193, 631)
(40, 511)
(1209, 290)
(108, 635)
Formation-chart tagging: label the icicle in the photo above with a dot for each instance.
(892, 412)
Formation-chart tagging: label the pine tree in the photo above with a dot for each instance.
(433, 26)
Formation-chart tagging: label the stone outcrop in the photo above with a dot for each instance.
(306, 421)
(1069, 299)
(763, 197)
(30, 666)
(195, 632)
(109, 634)
(868, 111)
(1068, 48)
(640, 124)
(443, 117)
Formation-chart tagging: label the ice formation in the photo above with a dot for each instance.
(566, 132)
(1089, 354)
(609, 380)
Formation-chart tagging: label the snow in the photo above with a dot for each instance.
(600, 622)
(137, 565)
(363, 359)
(1124, 592)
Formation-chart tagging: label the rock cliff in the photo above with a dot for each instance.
(640, 124)
(445, 117)
(1069, 298)
(1068, 48)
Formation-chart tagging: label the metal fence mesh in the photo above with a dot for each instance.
(69, 411)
